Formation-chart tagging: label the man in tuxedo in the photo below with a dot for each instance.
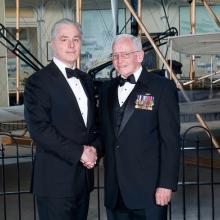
(140, 128)
(59, 110)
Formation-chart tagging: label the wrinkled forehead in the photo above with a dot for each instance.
(123, 45)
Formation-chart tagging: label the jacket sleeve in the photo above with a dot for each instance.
(169, 128)
(37, 106)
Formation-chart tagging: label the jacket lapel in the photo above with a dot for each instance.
(140, 88)
(67, 91)
(89, 93)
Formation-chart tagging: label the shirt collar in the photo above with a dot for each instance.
(136, 74)
(61, 66)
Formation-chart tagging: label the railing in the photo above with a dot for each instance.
(10, 154)
(198, 177)
(200, 162)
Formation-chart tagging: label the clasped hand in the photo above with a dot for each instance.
(89, 157)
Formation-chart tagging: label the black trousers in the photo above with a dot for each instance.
(67, 208)
(121, 212)
(137, 214)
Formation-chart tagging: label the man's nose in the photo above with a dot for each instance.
(120, 58)
(71, 43)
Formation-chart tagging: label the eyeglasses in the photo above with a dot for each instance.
(123, 55)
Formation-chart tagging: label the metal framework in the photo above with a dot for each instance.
(17, 48)
(168, 67)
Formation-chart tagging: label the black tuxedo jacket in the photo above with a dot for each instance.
(57, 127)
(145, 153)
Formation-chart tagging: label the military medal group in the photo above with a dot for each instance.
(145, 102)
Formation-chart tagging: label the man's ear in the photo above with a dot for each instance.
(140, 56)
(52, 45)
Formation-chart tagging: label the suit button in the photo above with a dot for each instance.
(117, 147)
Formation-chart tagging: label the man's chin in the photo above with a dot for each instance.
(124, 74)
(70, 63)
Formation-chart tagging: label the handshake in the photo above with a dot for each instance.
(89, 157)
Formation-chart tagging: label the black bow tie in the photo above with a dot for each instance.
(130, 79)
(72, 73)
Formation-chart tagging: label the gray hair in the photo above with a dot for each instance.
(61, 22)
(135, 40)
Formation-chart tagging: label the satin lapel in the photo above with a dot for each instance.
(129, 109)
(68, 93)
(90, 103)
(140, 88)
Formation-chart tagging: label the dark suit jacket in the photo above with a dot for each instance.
(145, 154)
(56, 126)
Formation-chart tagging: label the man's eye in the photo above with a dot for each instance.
(114, 56)
(76, 40)
(125, 55)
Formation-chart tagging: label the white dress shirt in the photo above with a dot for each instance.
(125, 90)
(77, 89)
